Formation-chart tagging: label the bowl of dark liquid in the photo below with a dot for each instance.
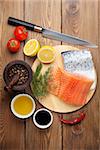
(42, 118)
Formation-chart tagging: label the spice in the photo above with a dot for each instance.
(74, 121)
(18, 69)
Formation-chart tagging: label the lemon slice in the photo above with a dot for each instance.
(31, 47)
(46, 54)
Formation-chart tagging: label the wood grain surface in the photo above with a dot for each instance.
(82, 21)
(11, 128)
(46, 13)
(77, 17)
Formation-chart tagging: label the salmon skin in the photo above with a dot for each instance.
(72, 89)
(79, 62)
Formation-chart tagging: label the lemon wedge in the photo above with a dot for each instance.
(46, 54)
(31, 47)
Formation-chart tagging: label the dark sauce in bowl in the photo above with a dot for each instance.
(43, 117)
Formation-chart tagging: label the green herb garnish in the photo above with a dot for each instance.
(40, 82)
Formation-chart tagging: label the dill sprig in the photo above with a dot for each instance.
(40, 82)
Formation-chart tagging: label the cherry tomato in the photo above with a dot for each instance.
(13, 45)
(21, 33)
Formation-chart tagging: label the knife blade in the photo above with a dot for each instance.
(51, 34)
(67, 38)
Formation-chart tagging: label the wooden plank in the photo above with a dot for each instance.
(98, 63)
(1, 19)
(48, 14)
(11, 129)
(80, 18)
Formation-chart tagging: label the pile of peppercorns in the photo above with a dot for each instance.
(18, 69)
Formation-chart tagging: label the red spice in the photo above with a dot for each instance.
(75, 120)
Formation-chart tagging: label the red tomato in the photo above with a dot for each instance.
(13, 45)
(21, 33)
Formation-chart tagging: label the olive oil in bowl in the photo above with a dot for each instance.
(23, 106)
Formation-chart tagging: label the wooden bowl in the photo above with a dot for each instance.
(26, 66)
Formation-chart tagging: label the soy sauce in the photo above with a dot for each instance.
(43, 117)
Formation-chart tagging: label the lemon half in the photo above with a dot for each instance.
(31, 47)
(46, 54)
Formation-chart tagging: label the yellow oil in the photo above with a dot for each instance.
(23, 105)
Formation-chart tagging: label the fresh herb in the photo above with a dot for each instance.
(40, 82)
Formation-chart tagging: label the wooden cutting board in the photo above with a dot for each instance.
(52, 102)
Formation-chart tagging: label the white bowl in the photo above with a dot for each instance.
(18, 115)
(42, 126)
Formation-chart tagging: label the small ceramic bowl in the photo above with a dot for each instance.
(42, 126)
(17, 114)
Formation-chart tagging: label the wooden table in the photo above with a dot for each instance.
(76, 17)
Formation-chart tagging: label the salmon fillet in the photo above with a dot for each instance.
(54, 83)
(70, 88)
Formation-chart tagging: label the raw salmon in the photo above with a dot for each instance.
(72, 89)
